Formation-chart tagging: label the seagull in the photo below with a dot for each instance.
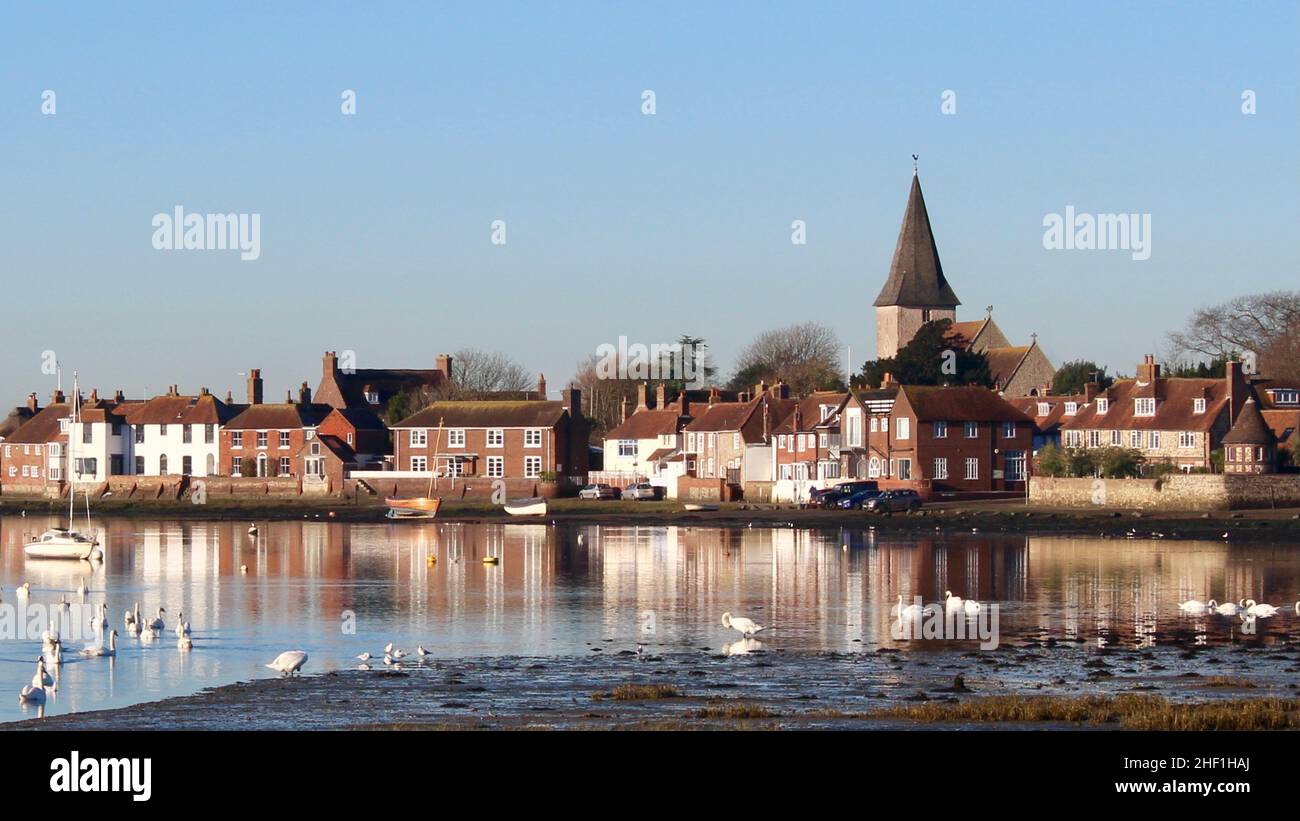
(398, 655)
(422, 651)
(365, 656)
(744, 626)
(388, 659)
(289, 662)
(99, 650)
(388, 648)
(252, 530)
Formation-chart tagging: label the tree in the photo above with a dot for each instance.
(806, 357)
(1052, 461)
(1214, 369)
(1071, 377)
(1266, 325)
(478, 373)
(1120, 463)
(247, 467)
(930, 358)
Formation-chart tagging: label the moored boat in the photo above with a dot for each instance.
(697, 507)
(62, 543)
(535, 506)
(419, 507)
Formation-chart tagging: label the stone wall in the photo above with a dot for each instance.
(1175, 492)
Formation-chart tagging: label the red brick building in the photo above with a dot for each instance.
(343, 387)
(269, 437)
(807, 441)
(34, 456)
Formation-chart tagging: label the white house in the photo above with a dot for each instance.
(175, 435)
(636, 448)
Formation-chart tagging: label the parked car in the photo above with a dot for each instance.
(858, 499)
(831, 496)
(598, 491)
(894, 501)
(642, 491)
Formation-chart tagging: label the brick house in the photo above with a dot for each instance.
(863, 414)
(957, 438)
(1250, 446)
(365, 434)
(1181, 421)
(373, 387)
(18, 417)
(732, 440)
(270, 436)
(806, 444)
(496, 438)
(33, 457)
(650, 434)
(1280, 406)
(1049, 411)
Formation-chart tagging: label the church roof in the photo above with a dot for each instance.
(916, 276)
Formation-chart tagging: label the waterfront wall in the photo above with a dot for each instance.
(1174, 492)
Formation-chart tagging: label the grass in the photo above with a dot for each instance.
(638, 692)
(734, 710)
(1130, 711)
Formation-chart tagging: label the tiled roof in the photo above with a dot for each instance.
(488, 414)
(43, 427)
(968, 331)
(1284, 424)
(15, 420)
(916, 277)
(386, 382)
(960, 404)
(648, 424)
(1049, 422)
(745, 417)
(1004, 362)
(362, 418)
(204, 409)
(1250, 427)
(1175, 409)
(810, 417)
(278, 416)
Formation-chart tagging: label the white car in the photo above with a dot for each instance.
(641, 491)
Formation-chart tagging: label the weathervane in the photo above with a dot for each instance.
(915, 157)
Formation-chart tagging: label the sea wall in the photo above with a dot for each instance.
(1177, 491)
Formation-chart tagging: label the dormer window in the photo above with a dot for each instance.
(1044, 408)
(1144, 407)
(826, 411)
(1287, 397)
(1071, 408)
(1103, 405)
(1198, 405)
(372, 397)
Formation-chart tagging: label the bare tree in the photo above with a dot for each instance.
(1265, 325)
(805, 356)
(477, 373)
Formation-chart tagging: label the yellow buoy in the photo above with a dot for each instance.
(490, 560)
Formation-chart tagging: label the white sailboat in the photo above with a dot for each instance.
(64, 542)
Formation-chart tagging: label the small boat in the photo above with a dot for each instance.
(62, 543)
(535, 506)
(419, 507)
(694, 507)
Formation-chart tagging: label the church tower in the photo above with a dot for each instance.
(916, 291)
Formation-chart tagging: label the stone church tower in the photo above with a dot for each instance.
(916, 291)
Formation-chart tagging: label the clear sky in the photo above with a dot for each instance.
(376, 228)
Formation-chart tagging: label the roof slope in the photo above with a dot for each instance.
(648, 424)
(966, 403)
(487, 414)
(916, 277)
(1250, 427)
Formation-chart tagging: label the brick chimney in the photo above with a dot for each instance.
(781, 390)
(641, 393)
(118, 396)
(1090, 391)
(330, 364)
(798, 418)
(171, 390)
(304, 394)
(32, 404)
(1238, 389)
(203, 392)
(444, 365)
(94, 395)
(1149, 370)
(683, 404)
(541, 386)
(57, 397)
(661, 396)
(255, 386)
(572, 398)
(230, 397)
(714, 396)
(887, 381)
(622, 410)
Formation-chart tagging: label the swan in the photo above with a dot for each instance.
(157, 624)
(131, 621)
(53, 655)
(252, 530)
(952, 602)
(746, 627)
(1228, 609)
(289, 662)
(1261, 610)
(31, 695)
(182, 626)
(1195, 607)
(184, 643)
(42, 678)
(912, 611)
(973, 607)
(23, 590)
(99, 650)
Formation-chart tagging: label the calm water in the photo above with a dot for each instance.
(338, 589)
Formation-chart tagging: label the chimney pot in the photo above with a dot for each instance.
(444, 365)
(641, 391)
(32, 404)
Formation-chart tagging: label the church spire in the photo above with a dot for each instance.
(916, 276)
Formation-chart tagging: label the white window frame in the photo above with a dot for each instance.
(972, 468)
(532, 467)
(1144, 406)
(496, 467)
(941, 467)
(420, 464)
(419, 438)
(456, 437)
(903, 428)
(1198, 405)
(533, 438)
(972, 429)
(496, 437)
(940, 430)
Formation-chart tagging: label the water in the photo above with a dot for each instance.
(577, 591)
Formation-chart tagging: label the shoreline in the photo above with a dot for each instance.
(979, 517)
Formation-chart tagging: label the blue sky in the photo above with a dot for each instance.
(376, 227)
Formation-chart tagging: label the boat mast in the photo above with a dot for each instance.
(72, 437)
(433, 476)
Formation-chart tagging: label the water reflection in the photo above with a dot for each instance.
(337, 589)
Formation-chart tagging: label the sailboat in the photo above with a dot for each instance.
(64, 542)
(419, 507)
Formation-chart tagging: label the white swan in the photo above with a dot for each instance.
(252, 530)
(951, 602)
(1263, 611)
(912, 611)
(184, 643)
(99, 650)
(157, 624)
(365, 656)
(289, 662)
(42, 678)
(1228, 609)
(31, 695)
(53, 655)
(132, 621)
(1195, 607)
(973, 607)
(23, 590)
(182, 626)
(746, 627)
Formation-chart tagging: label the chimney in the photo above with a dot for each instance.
(1149, 370)
(304, 394)
(255, 386)
(32, 404)
(288, 397)
(641, 393)
(781, 390)
(57, 397)
(760, 388)
(887, 381)
(1089, 391)
(541, 386)
(572, 398)
(118, 396)
(622, 405)
(444, 365)
(203, 392)
(713, 396)
(683, 404)
(798, 418)
(1238, 389)
(661, 396)
(94, 395)
(230, 397)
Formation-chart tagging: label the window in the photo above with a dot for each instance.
(187, 465)
(350, 437)
(139, 465)
(735, 441)
(855, 429)
(261, 439)
(284, 466)
(63, 425)
(905, 469)
(284, 438)
(162, 430)
(874, 426)
(1115, 438)
(496, 438)
(941, 468)
(940, 430)
(821, 441)
(237, 439)
(419, 464)
(209, 434)
(533, 438)
(1103, 405)
(972, 468)
(532, 467)
(419, 437)
(1015, 465)
(627, 447)
(456, 438)
(972, 430)
(1044, 408)
(1008, 430)
(496, 466)
(1094, 438)
(873, 468)
(187, 434)
(713, 441)
(139, 434)
(87, 433)
(904, 428)
(1153, 440)
(826, 411)
(1198, 406)
(1144, 407)
(1287, 397)
(26, 472)
(1071, 408)
(787, 472)
(1186, 439)
(801, 438)
(309, 434)
(1135, 439)
(315, 448)
(884, 424)
(162, 465)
